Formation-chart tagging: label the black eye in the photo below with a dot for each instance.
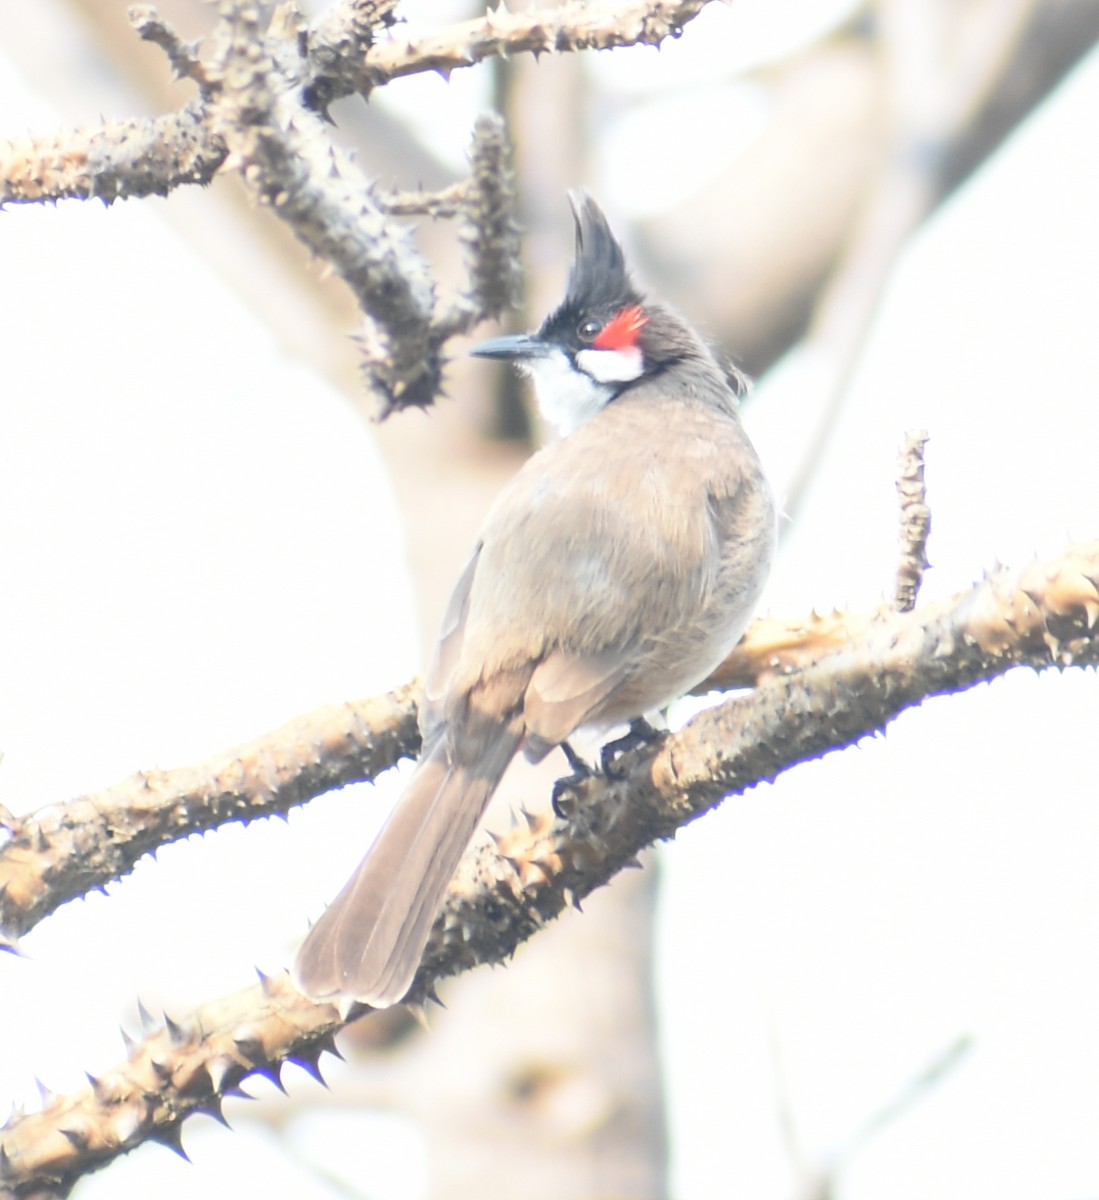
(588, 330)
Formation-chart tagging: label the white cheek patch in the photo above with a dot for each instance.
(567, 397)
(611, 366)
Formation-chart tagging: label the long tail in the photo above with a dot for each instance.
(368, 943)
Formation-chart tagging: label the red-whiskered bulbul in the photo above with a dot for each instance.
(616, 571)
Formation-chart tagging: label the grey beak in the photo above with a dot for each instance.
(517, 345)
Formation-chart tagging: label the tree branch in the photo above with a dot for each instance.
(572, 26)
(66, 850)
(113, 161)
(343, 54)
(288, 164)
(183, 56)
(1045, 615)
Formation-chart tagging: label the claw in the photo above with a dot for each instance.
(580, 771)
(639, 732)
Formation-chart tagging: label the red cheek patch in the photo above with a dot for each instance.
(621, 332)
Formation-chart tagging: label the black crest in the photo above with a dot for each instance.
(599, 284)
(598, 278)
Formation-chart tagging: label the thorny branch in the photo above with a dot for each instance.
(571, 26)
(1045, 615)
(266, 96)
(346, 50)
(264, 91)
(113, 161)
(289, 165)
(183, 56)
(66, 850)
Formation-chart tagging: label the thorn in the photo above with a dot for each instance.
(47, 1094)
(311, 1066)
(250, 1047)
(176, 1032)
(145, 1017)
(214, 1110)
(217, 1069)
(162, 1069)
(98, 1087)
(172, 1137)
(274, 1073)
(131, 1043)
(266, 982)
(329, 1043)
(76, 1137)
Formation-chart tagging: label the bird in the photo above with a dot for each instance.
(614, 572)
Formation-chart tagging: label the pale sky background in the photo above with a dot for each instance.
(178, 578)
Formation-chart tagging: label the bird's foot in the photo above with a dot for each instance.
(565, 785)
(639, 732)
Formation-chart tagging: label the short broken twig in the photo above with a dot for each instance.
(915, 521)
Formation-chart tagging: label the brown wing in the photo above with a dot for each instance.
(564, 691)
(448, 650)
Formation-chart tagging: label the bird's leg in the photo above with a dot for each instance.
(580, 771)
(639, 732)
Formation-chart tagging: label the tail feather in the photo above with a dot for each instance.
(368, 943)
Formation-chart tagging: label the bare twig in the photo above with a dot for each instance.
(447, 202)
(915, 1090)
(183, 56)
(915, 521)
(821, 1180)
(1046, 615)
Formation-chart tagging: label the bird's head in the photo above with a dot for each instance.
(602, 339)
